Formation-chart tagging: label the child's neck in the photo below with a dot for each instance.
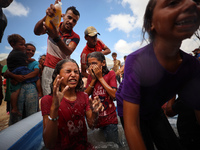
(168, 55)
(70, 94)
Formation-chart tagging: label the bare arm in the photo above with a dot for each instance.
(98, 73)
(132, 128)
(39, 29)
(106, 50)
(111, 91)
(18, 78)
(32, 74)
(50, 128)
(83, 70)
(93, 113)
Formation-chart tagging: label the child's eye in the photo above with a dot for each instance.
(173, 3)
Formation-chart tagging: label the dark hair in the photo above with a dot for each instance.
(100, 57)
(30, 44)
(74, 10)
(148, 20)
(114, 54)
(14, 38)
(59, 66)
(41, 56)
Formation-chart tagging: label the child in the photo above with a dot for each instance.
(17, 62)
(157, 72)
(93, 44)
(102, 82)
(65, 109)
(116, 66)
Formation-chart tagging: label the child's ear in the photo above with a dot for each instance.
(152, 27)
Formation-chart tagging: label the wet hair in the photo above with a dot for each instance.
(100, 57)
(30, 44)
(14, 38)
(148, 20)
(74, 10)
(59, 66)
(114, 54)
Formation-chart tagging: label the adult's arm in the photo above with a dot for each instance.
(106, 50)
(32, 74)
(83, 70)
(18, 78)
(132, 128)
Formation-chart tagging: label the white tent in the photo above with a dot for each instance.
(109, 63)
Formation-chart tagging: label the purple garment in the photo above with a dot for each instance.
(119, 100)
(147, 83)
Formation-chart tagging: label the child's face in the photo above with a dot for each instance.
(70, 73)
(30, 51)
(42, 59)
(114, 57)
(20, 46)
(91, 41)
(176, 19)
(93, 61)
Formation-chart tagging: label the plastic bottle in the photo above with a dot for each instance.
(57, 17)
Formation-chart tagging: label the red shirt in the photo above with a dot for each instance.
(72, 130)
(54, 54)
(107, 101)
(98, 48)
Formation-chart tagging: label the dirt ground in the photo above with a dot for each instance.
(4, 117)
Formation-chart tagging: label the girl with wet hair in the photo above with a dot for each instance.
(65, 109)
(102, 82)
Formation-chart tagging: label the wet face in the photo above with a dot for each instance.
(70, 72)
(20, 46)
(69, 20)
(30, 51)
(175, 19)
(92, 61)
(91, 41)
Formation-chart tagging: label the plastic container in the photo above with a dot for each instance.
(57, 18)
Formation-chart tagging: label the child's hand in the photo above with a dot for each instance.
(96, 105)
(97, 71)
(57, 94)
(91, 72)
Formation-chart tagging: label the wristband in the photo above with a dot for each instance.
(53, 119)
(91, 86)
(57, 39)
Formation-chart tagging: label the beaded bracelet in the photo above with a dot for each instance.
(53, 119)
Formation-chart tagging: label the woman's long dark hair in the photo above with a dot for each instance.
(100, 57)
(59, 66)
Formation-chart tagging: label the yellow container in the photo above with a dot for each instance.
(57, 18)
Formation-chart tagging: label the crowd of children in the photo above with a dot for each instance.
(152, 76)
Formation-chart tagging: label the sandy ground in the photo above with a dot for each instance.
(4, 117)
